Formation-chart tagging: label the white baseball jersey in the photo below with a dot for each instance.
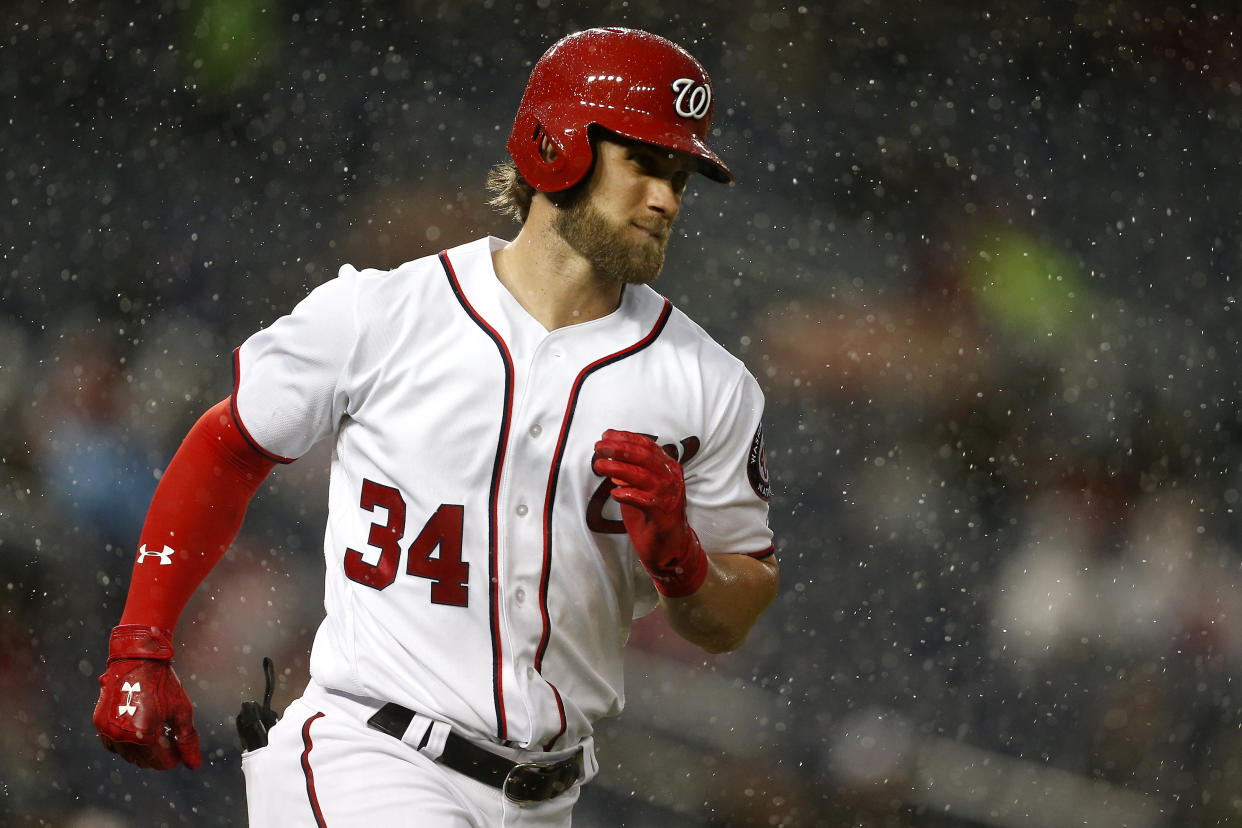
(477, 570)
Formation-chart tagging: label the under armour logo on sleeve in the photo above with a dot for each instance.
(165, 556)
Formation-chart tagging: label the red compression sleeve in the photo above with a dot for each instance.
(194, 516)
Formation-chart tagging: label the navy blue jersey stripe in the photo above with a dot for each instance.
(554, 474)
(493, 564)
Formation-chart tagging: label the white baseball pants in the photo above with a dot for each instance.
(324, 768)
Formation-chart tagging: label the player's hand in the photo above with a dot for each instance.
(143, 713)
(649, 487)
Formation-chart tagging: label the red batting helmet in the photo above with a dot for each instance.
(630, 82)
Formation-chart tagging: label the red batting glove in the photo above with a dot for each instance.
(143, 713)
(652, 494)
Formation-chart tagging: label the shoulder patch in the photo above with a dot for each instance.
(757, 467)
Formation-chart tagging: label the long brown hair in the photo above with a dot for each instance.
(511, 193)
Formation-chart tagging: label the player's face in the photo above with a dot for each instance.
(622, 222)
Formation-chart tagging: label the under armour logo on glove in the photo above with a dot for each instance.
(129, 708)
(158, 731)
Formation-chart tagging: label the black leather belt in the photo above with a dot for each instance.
(522, 782)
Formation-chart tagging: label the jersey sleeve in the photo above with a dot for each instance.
(727, 489)
(288, 388)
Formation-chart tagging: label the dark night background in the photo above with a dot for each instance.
(981, 261)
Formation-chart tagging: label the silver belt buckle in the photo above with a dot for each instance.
(525, 768)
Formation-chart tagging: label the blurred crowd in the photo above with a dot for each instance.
(981, 261)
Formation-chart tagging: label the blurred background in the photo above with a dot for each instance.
(981, 261)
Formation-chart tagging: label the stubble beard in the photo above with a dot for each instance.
(616, 253)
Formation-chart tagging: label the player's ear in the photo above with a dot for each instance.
(547, 150)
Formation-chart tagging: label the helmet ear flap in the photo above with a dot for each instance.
(538, 155)
(549, 158)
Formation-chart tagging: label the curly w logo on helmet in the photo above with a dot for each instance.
(694, 100)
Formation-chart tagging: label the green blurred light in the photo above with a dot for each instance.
(1026, 286)
(230, 40)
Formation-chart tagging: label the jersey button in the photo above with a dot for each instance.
(536, 430)
(522, 510)
(519, 595)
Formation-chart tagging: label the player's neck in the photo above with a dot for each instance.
(553, 283)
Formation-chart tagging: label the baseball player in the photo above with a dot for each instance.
(531, 448)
